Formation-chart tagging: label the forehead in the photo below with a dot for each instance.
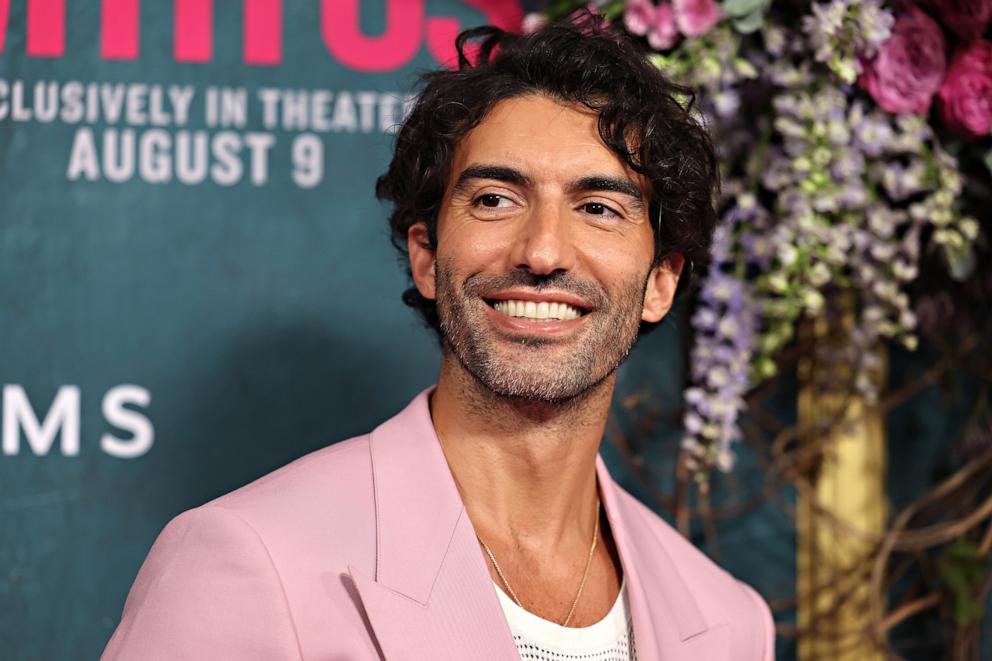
(544, 138)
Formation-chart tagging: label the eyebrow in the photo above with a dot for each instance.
(621, 185)
(495, 172)
(510, 175)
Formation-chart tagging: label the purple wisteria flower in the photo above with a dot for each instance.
(832, 200)
(725, 324)
(844, 32)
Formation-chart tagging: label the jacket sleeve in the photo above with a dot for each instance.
(766, 632)
(207, 590)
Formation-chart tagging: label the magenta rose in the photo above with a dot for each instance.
(967, 18)
(909, 66)
(966, 95)
(695, 17)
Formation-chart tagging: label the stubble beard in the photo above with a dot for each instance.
(535, 372)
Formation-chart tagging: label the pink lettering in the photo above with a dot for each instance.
(193, 23)
(193, 40)
(441, 31)
(119, 29)
(263, 31)
(4, 16)
(46, 28)
(391, 50)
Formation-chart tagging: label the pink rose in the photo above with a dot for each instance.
(966, 95)
(695, 17)
(533, 22)
(968, 18)
(638, 17)
(663, 33)
(909, 66)
(658, 23)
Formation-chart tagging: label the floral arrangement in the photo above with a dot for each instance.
(841, 128)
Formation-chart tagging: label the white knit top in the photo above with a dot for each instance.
(537, 639)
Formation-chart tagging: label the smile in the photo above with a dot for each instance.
(537, 311)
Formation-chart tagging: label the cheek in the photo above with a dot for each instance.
(473, 247)
(617, 264)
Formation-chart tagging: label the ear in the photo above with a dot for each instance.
(422, 260)
(660, 290)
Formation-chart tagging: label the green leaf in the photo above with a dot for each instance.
(988, 160)
(750, 23)
(963, 572)
(562, 8)
(613, 10)
(738, 8)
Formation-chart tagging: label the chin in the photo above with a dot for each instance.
(536, 388)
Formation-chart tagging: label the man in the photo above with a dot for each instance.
(548, 197)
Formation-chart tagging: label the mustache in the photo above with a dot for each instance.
(481, 284)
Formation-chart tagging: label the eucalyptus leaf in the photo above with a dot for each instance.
(741, 8)
(750, 23)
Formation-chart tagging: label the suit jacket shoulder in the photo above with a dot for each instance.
(722, 599)
(261, 572)
(322, 501)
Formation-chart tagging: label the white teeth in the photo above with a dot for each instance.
(542, 311)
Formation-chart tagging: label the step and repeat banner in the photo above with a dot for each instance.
(196, 281)
(197, 284)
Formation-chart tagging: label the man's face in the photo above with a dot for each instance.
(542, 272)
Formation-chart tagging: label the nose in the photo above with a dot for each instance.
(543, 244)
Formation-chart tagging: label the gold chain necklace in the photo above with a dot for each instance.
(585, 573)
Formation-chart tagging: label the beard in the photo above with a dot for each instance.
(531, 368)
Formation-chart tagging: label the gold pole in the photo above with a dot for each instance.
(848, 485)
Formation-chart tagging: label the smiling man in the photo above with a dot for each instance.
(548, 197)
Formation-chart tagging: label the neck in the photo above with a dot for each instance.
(526, 470)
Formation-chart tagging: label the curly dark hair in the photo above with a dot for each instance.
(644, 118)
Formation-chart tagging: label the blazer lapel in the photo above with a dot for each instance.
(666, 619)
(431, 596)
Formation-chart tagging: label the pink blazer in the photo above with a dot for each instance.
(363, 550)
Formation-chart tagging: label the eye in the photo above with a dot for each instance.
(600, 209)
(492, 201)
